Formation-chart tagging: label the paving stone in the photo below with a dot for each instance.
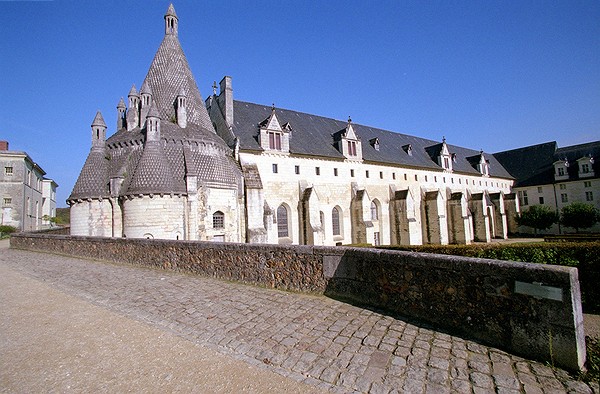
(437, 376)
(433, 388)
(482, 380)
(460, 385)
(532, 389)
(478, 366)
(318, 340)
(576, 387)
(506, 382)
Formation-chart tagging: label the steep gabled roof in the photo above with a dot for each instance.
(534, 165)
(314, 135)
(531, 165)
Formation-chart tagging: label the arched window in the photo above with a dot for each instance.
(282, 222)
(218, 220)
(335, 221)
(374, 211)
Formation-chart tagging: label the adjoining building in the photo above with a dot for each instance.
(554, 177)
(179, 167)
(28, 198)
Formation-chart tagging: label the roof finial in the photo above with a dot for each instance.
(171, 21)
(273, 108)
(349, 119)
(214, 88)
(444, 139)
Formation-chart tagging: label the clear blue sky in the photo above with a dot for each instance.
(494, 75)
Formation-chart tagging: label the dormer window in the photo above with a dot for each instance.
(408, 149)
(561, 171)
(586, 166)
(374, 143)
(348, 142)
(274, 140)
(445, 159)
(351, 148)
(483, 166)
(272, 136)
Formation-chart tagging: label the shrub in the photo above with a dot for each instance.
(579, 215)
(538, 217)
(4, 230)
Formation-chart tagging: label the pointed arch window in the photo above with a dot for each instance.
(374, 211)
(282, 222)
(335, 221)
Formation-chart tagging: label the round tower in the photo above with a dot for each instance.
(181, 110)
(98, 132)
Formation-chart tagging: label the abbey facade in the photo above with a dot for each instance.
(180, 167)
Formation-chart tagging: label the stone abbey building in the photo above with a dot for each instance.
(181, 167)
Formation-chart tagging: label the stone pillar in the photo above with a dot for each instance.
(458, 219)
(500, 221)
(362, 227)
(192, 205)
(434, 217)
(404, 224)
(481, 221)
(511, 209)
(312, 228)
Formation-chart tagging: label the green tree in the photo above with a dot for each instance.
(538, 217)
(579, 215)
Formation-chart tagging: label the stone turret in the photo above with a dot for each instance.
(146, 101)
(153, 125)
(181, 109)
(133, 113)
(171, 21)
(98, 132)
(121, 111)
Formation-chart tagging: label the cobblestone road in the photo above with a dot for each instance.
(313, 339)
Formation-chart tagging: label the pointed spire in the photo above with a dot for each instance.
(121, 110)
(153, 124)
(171, 21)
(99, 120)
(145, 88)
(98, 132)
(133, 91)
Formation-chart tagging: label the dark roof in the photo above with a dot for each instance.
(314, 135)
(161, 167)
(93, 179)
(534, 165)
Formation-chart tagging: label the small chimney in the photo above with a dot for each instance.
(3, 145)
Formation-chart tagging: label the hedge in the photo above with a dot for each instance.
(583, 255)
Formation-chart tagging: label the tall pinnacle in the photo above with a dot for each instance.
(171, 21)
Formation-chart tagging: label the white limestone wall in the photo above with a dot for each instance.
(286, 186)
(225, 201)
(551, 195)
(154, 217)
(91, 218)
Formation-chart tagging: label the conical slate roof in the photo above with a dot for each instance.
(153, 173)
(93, 179)
(160, 167)
(169, 74)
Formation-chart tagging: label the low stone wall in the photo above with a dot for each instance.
(527, 309)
